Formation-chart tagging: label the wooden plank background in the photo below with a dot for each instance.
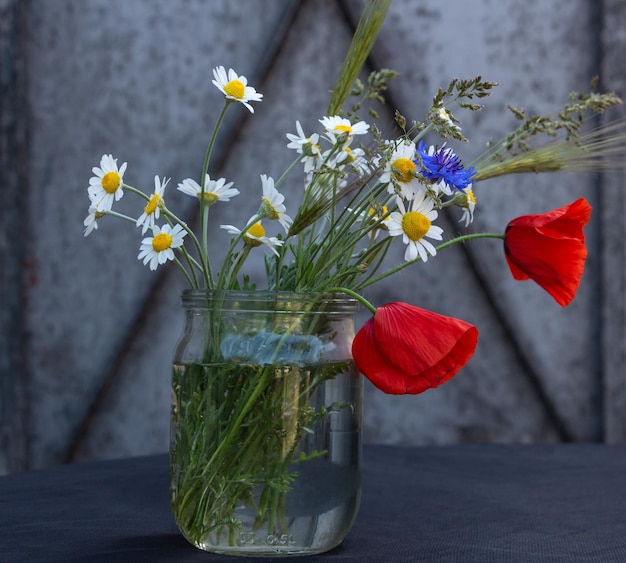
(88, 332)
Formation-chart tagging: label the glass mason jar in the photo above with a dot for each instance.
(266, 422)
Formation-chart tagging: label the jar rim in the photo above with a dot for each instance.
(280, 300)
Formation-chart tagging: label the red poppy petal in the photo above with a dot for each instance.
(518, 274)
(555, 264)
(401, 329)
(569, 220)
(374, 365)
(449, 365)
(405, 349)
(573, 219)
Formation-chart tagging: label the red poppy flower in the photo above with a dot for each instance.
(405, 349)
(550, 249)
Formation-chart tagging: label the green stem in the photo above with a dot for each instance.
(446, 244)
(204, 207)
(206, 262)
(287, 171)
(236, 425)
(120, 216)
(237, 264)
(185, 272)
(207, 156)
(354, 294)
(222, 279)
(202, 265)
(471, 236)
(421, 133)
(136, 191)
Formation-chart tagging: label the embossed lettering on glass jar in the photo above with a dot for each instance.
(266, 422)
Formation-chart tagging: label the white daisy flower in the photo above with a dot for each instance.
(354, 158)
(255, 236)
(90, 223)
(468, 206)
(378, 216)
(336, 125)
(299, 141)
(159, 248)
(273, 207)
(106, 186)
(235, 87)
(400, 171)
(415, 225)
(376, 213)
(445, 116)
(153, 208)
(214, 190)
(306, 146)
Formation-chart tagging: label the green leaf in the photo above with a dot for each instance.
(365, 35)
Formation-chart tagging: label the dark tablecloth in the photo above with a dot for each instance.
(484, 503)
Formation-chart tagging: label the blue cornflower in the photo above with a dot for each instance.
(443, 165)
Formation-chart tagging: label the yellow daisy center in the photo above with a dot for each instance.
(343, 128)
(235, 89)
(152, 204)
(111, 181)
(210, 198)
(470, 196)
(403, 169)
(161, 242)
(415, 225)
(350, 157)
(377, 213)
(256, 230)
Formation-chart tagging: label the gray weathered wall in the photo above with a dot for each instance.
(88, 332)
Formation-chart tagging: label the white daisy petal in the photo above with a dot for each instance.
(422, 252)
(411, 252)
(435, 233)
(272, 206)
(214, 190)
(90, 222)
(428, 247)
(190, 187)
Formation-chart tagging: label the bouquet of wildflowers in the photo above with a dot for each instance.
(362, 194)
(360, 198)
